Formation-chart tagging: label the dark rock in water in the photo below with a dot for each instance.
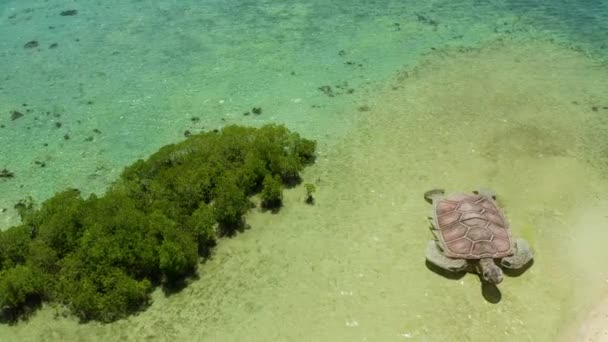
(6, 174)
(327, 90)
(426, 20)
(187, 133)
(53, 46)
(256, 110)
(16, 115)
(69, 12)
(31, 44)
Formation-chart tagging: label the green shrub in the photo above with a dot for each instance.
(14, 246)
(272, 192)
(201, 226)
(118, 234)
(178, 255)
(103, 293)
(250, 175)
(101, 256)
(229, 204)
(17, 284)
(42, 258)
(59, 221)
(304, 149)
(310, 189)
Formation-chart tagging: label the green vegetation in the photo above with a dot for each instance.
(272, 192)
(102, 256)
(310, 189)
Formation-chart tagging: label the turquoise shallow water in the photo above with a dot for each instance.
(119, 79)
(138, 73)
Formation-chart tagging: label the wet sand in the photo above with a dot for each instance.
(593, 327)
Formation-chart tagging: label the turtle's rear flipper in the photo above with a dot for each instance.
(435, 256)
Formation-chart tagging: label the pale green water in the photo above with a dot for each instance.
(518, 116)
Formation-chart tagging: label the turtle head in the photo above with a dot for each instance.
(490, 272)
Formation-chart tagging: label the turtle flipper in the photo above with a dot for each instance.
(434, 194)
(487, 192)
(523, 255)
(435, 256)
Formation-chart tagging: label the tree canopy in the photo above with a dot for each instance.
(102, 256)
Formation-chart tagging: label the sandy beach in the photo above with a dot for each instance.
(594, 325)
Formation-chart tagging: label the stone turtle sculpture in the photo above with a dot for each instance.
(472, 234)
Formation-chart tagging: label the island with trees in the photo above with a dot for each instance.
(102, 256)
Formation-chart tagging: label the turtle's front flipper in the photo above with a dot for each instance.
(523, 255)
(436, 257)
(433, 195)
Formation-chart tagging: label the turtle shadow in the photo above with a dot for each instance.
(444, 273)
(519, 271)
(490, 292)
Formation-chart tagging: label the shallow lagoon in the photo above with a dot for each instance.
(450, 97)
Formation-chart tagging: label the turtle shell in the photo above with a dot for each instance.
(471, 226)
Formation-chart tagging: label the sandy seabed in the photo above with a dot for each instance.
(593, 325)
